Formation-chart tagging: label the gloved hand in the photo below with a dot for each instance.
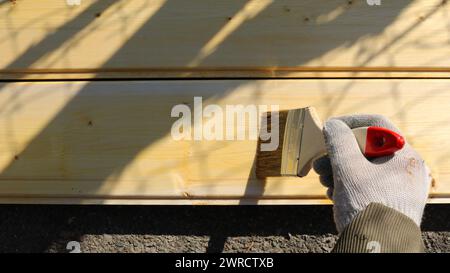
(400, 181)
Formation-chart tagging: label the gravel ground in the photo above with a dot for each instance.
(42, 228)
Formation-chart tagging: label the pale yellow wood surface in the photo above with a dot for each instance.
(170, 37)
(110, 142)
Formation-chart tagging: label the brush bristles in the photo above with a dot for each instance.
(268, 163)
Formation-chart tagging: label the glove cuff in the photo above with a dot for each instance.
(413, 213)
(342, 220)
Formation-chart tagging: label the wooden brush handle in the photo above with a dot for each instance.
(373, 141)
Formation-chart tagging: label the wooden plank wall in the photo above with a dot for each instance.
(87, 91)
(94, 139)
(178, 38)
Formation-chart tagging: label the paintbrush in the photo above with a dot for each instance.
(301, 141)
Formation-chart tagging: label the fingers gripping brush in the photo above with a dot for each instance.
(302, 141)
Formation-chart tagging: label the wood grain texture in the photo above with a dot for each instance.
(109, 142)
(239, 38)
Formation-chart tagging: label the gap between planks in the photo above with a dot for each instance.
(226, 72)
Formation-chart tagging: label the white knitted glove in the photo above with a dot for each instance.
(400, 181)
